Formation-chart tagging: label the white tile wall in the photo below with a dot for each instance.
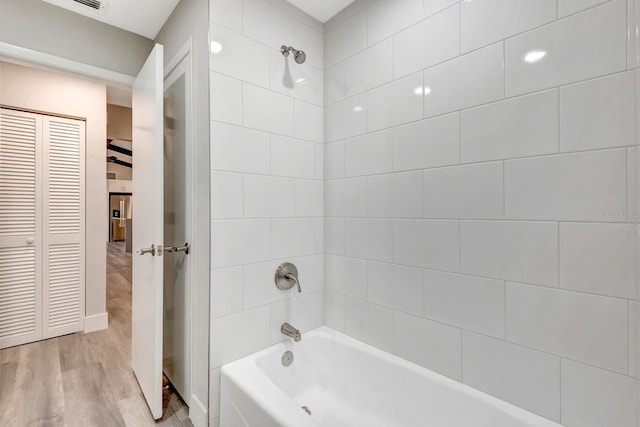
(470, 191)
(267, 178)
(466, 81)
(451, 202)
(612, 405)
(468, 302)
(524, 377)
(518, 127)
(574, 51)
(583, 327)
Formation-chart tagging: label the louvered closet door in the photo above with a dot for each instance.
(63, 233)
(20, 228)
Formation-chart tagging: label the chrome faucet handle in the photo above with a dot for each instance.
(293, 278)
(287, 276)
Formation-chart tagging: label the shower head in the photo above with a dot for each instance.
(298, 55)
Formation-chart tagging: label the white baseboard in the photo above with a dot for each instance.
(96, 322)
(198, 412)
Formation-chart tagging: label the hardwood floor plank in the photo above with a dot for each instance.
(88, 396)
(8, 373)
(38, 391)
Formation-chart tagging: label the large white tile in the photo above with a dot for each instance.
(346, 118)
(309, 121)
(369, 323)
(258, 285)
(427, 143)
(395, 103)
(310, 273)
(235, 242)
(518, 127)
(397, 195)
(346, 276)
(345, 39)
(226, 291)
(346, 197)
(488, 21)
(240, 57)
(226, 99)
(593, 397)
(468, 302)
(527, 378)
(368, 69)
(598, 113)
(469, 80)
(334, 235)
(569, 7)
(396, 287)
(309, 197)
(300, 312)
(230, 145)
(227, 13)
(519, 251)
(435, 346)
(574, 50)
(268, 196)
(334, 83)
(598, 258)
(266, 110)
(313, 41)
(334, 160)
(588, 186)
(368, 238)
(426, 243)
(368, 154)
(292, 157)
(266, 23)
(227, 195)
(239, 335)
(470, 191)
(588, 328)
(427, 43)
(288, 8)
(301, 81)
(293, 237)
(386, 18)
(432, 7)
(334, 311)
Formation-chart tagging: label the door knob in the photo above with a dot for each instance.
(30, 240)
(151, 250)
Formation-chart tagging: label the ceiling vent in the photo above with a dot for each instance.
(94, 4)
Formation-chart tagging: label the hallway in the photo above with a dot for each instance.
(83, 379)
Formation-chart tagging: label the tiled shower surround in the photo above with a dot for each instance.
(478, 167)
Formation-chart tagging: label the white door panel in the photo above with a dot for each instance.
(148, 224)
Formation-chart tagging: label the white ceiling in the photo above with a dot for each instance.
(322, 10)
(144, 17)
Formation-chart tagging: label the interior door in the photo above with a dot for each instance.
(148, 228)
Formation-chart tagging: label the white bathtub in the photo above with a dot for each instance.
(345, 382)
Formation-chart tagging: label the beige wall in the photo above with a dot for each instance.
(45, 91)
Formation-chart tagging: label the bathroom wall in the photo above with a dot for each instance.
(266, 178)
(189, 23)
(480, 195)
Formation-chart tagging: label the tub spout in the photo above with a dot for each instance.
(290, 331)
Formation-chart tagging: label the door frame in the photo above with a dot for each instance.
(185, 56)
(40, 60)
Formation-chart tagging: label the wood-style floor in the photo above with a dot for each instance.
(83, 380)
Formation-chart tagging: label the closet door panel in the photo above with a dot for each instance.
(20, 228)
(63, 234)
